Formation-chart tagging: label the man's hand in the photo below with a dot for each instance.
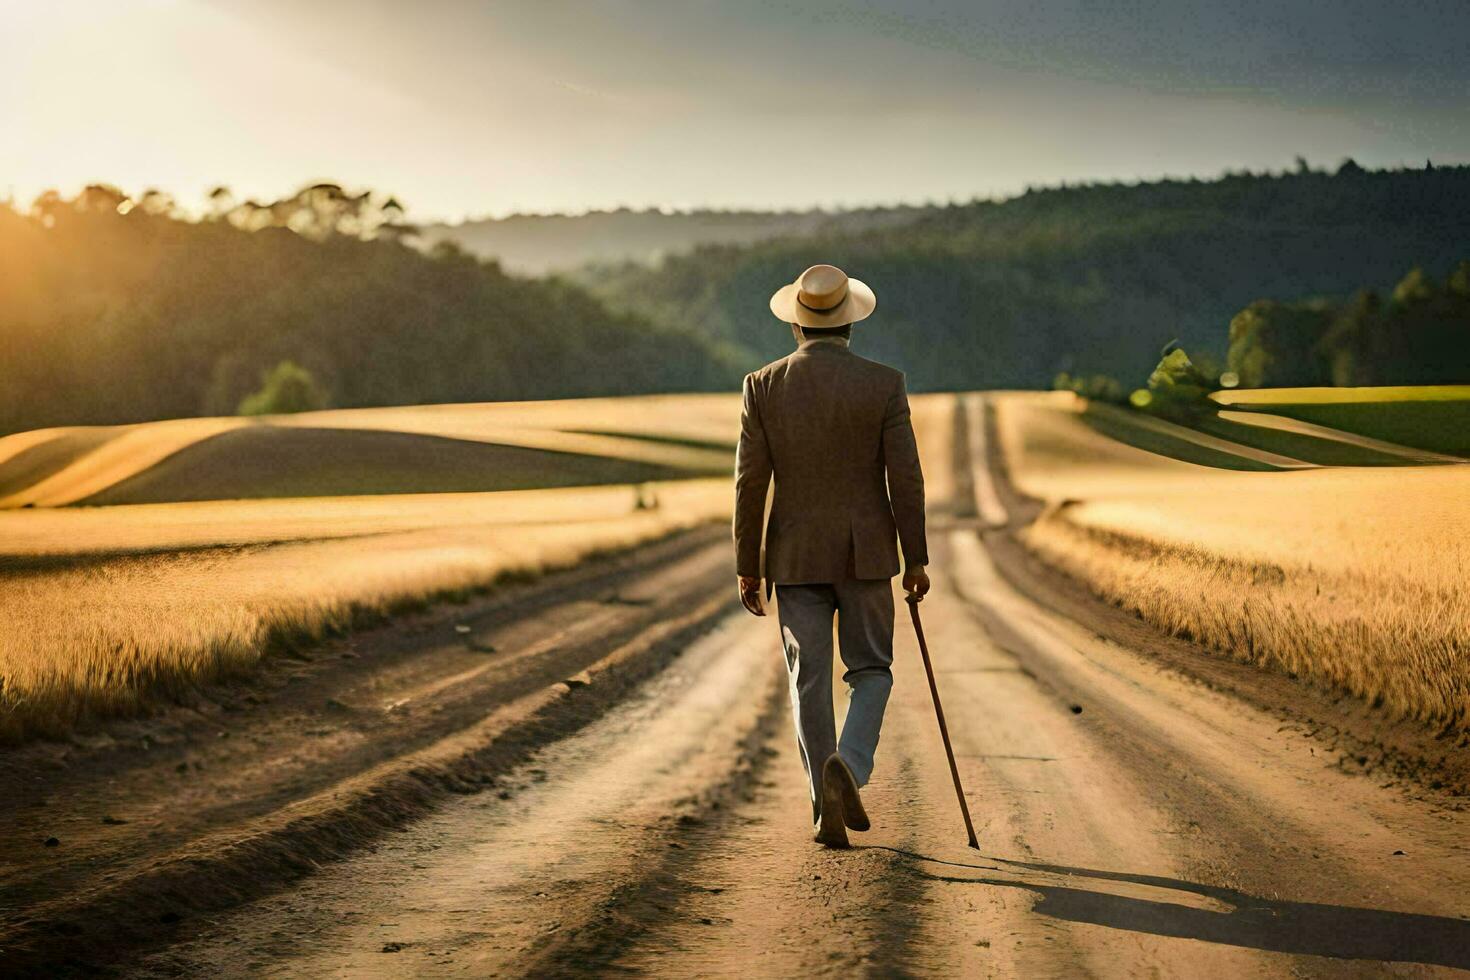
(750, 594)
(916, 581)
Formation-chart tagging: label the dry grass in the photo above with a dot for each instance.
(695, 418)
(141, 528)
(106, 608)
(1349, 577)
(1383, 636)
(1434, 419)
(106, 637)
(933, 417)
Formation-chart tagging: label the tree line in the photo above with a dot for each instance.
(1090, 280)
(115, 308)
(1419, 334)
(119, 308)
(1416, 334)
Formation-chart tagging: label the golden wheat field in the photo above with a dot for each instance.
(1350, 577)
(107, 607)
(512, 445)
(100, 637)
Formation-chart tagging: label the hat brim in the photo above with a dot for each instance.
(858, 305)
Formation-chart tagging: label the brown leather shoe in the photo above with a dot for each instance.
(853, 813)
(830, 825)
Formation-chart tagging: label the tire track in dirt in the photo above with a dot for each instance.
(554, 873)
(762, 899)
(210, 860)
(911, 899)
(1042, 792)
(1302, 854)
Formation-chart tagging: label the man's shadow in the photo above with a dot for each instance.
(1303, 928)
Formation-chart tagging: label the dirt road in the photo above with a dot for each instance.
(1133, 821)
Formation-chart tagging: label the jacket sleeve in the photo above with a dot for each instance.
(752, 480)
(905, 478)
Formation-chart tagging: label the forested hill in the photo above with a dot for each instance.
(1086, 279)
(114, 310)
(109, 317)
(540, 243)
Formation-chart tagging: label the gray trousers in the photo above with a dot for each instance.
(864, 612)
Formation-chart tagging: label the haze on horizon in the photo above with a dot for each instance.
(477, 108)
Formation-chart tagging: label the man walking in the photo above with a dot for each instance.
(833, 429)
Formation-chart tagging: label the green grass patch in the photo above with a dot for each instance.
(1115, 424)
(1438, 426)
(1431, 417)
(1264, 398)
(1308, 449)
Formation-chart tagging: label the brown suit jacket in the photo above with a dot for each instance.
(829, 426)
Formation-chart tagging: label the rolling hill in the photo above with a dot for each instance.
(537, 244)
(1083, 279)
(349, 452)
(114, 314)
(109, 317)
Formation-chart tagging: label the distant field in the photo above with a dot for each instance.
(1434, 418)
(1340, 450)
(1180, 442)
(418, 449)
(1351, 577)
(1261, 440)
(1254, 431)
(289, 461)
(1249, 397)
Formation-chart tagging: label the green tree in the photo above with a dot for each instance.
(1459, 280)
(1177, 389)
(1279, 344)
(109, 317)
(1005, 294)
(288, 387)
(1421, 335)
(1415, 287)
(1345, 345)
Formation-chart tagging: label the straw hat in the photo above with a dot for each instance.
(823, 296)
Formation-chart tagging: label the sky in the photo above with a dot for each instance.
(486, 108)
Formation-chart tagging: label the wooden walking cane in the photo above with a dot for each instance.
(959, 791)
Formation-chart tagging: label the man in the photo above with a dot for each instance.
(830, 426)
